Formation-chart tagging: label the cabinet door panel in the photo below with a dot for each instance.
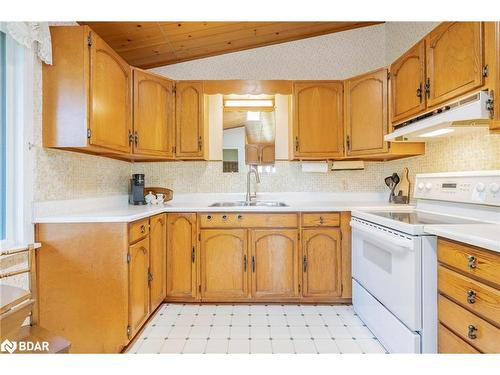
(158, 261)
(321, 262)
(274, 263)
(138, 284)
(224, 264)
(181, 256)
(189, 120)
(153, 115)
(110, 113)
(318, 126)
(366, 117)
(407, 84)
(454, 53)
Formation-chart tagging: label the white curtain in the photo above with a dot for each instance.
(32, 35)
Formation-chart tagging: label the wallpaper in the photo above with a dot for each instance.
(67, 175)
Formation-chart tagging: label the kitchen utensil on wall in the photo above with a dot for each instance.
(391, 182)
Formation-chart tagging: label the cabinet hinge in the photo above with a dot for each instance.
(299, 288)
(129, 331)
(89, 133)
(89, 40)
(298, 236)
(388, 75)
(486, 70)
(150, 276)
(173, 149)
(340, 235)
(128, 258)
(199, 236)
(199, 288)
(174, 89)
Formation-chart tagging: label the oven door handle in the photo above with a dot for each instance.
(386, 241)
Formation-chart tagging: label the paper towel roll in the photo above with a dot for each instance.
(315, 166)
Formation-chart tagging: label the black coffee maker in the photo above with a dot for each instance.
(136, 196)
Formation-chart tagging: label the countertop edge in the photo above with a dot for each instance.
(469, 239)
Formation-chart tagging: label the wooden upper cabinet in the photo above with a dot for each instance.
(189, 120)
(454, 54)
(110, 115)
(154, 119)
(317, 120)
(157, 259)
(408, 83)
(274, 263)
(366, 113)
(86, 94)
(181, 256)
(224, 264)
(138, 267)
(321, 263)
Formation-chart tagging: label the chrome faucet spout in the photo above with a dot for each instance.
(250, 196)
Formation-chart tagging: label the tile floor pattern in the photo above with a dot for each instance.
(199, 329)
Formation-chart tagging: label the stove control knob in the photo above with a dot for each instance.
(428, 186)
(480, 187)
(494, 188)
(420, 186)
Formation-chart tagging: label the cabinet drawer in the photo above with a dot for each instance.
(468, 326)
(478, 297)
(449, 343)
(138, 229)
(320, 219)
(247, 220)
(471, 260)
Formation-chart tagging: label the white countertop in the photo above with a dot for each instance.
(116, 209)
(482, 234)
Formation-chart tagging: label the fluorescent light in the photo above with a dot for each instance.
(253, 116)
(435, 133)
(248, 103)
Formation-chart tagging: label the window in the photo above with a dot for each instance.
(3, 148)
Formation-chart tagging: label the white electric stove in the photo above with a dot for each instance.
(394, 263)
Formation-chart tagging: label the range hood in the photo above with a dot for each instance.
(461, 116)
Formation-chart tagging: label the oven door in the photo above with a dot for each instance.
(387, 264)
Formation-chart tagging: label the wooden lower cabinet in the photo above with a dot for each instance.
(224, 264)
(138, 268)
(157, 260)
(321, 263)
(181, 257)
(274, 264)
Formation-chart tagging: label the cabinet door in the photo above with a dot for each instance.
(110, 91)
(366, 113)
(274, 263)
(153, 115)
(138, 267)
(317, 122)
(224, 264)
(181, 256)
(407, 84)
(157, 260)
(189, 120)
(321, 263)
(454, 53)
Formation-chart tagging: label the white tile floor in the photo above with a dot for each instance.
(179, 328)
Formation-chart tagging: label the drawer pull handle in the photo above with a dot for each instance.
(471, 296)
(193, 255)
(471, 261)
(240, 217)
(471, 333)
(224, 217)
(209, 217)
(253, 263)
(143, 229)
(321, 220)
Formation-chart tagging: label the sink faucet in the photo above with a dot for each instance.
(250, 196)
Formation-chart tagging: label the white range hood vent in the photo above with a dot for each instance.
(461, 116)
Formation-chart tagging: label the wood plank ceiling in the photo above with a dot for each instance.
(152, 44)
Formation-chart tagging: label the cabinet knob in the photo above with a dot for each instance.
(471, 261)
(240, 217)
(471, 296)
(209, 217)
(472, 332)
(321, 220)
(224, 217)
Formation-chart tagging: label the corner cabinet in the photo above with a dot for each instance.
(154, 119)
(190, 130)
(86, 94)
(182, 257)
(317, 120)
